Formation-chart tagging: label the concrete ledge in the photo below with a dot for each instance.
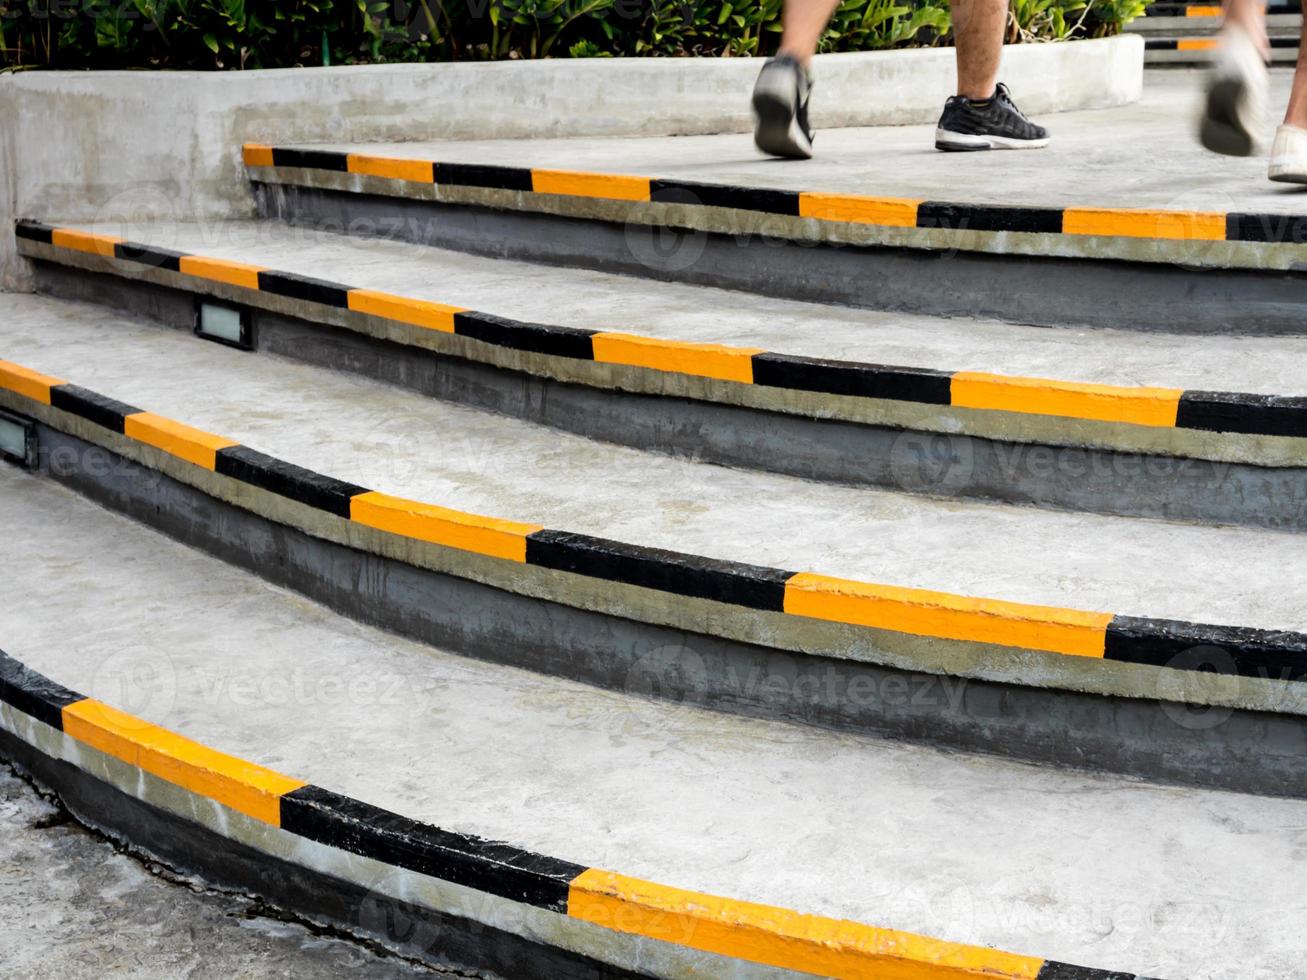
(161, 790)
(78, 145)
(1032, 647)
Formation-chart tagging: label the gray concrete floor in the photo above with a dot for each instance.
(398, 442)
(1144, 156)
(74, 907)
(578, 298)
(1091, 869)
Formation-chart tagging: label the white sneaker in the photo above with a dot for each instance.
(1289, 155)
(1234, 112)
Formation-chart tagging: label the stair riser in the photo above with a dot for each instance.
(749, 435)
(1016, 288)
(751, 668)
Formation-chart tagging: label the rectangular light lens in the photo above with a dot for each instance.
(17, 440)
(222, 323)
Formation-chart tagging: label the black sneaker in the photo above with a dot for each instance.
(994, 124)
(780, 108)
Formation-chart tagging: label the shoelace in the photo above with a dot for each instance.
(1004, 96)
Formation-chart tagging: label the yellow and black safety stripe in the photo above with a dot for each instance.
(919, 612)
(892, 212)
(741, 930)
(1156, 407)
(1210, 9)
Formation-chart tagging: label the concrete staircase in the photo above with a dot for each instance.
(625, 558)
(1185, 33)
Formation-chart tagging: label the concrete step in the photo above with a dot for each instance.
(396, 739)
(1205, 20)
(1210, 429)
(879, 219)
(1198, 50)
(1079, 632)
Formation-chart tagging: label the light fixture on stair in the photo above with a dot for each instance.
(228, 325)
(18, 439)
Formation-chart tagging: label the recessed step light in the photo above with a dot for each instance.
(229, 325)
(18, 439)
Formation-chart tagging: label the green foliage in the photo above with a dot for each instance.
(233, 34)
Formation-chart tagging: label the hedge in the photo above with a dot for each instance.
(233, 34)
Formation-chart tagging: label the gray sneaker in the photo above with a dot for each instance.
(780, 108)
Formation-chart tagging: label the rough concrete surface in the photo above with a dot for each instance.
(1173, 883)
(74, 906)
(398, 442)
(75, 145)
(1144, 155)
(604, 301)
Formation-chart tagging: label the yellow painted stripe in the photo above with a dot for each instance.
(1197, 44)
(780, 938)
(613, 187)
(242, 786)
(892, 212)
(193, 445)
(419, 313)
(84, 241)
(1196, 11)
(1183, 225)
(221, 270)
(950, 617)
(1039, 396)
(439, 525)
(704, 360)
(416, 171)
(257, 155)
(28, 383)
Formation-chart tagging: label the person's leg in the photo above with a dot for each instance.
(780, 98)
(1289, 154)
(802, 23)
(982, 115)
(978, 27)
(1234, 109)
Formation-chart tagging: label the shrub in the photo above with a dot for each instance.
(233, 34)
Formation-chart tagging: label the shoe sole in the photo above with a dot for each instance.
(1223, 130)
(1297, 176)
(970, 143)
(777, 131)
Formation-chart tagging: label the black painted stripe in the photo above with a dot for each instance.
(1273, 228)
(305, 288)
(93, 407)
(754, 586)
(1277, 654)
(767, 200)
(287, 479)
(34, 231)
(540, 338)
(971, 217)
(484, 175)
(1161, 44)
(157, 258)
(1222, 411)
(1052, 970)
(849, 378)
(33, 694)
(487, 866)
(311, 159)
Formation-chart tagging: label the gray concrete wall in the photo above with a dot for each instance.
(133, 145)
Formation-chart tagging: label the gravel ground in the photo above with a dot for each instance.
(74, 907)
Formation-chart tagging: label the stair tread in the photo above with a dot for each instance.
(1134, 157)
(965, 848)
(398, 442)
(702, 314)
